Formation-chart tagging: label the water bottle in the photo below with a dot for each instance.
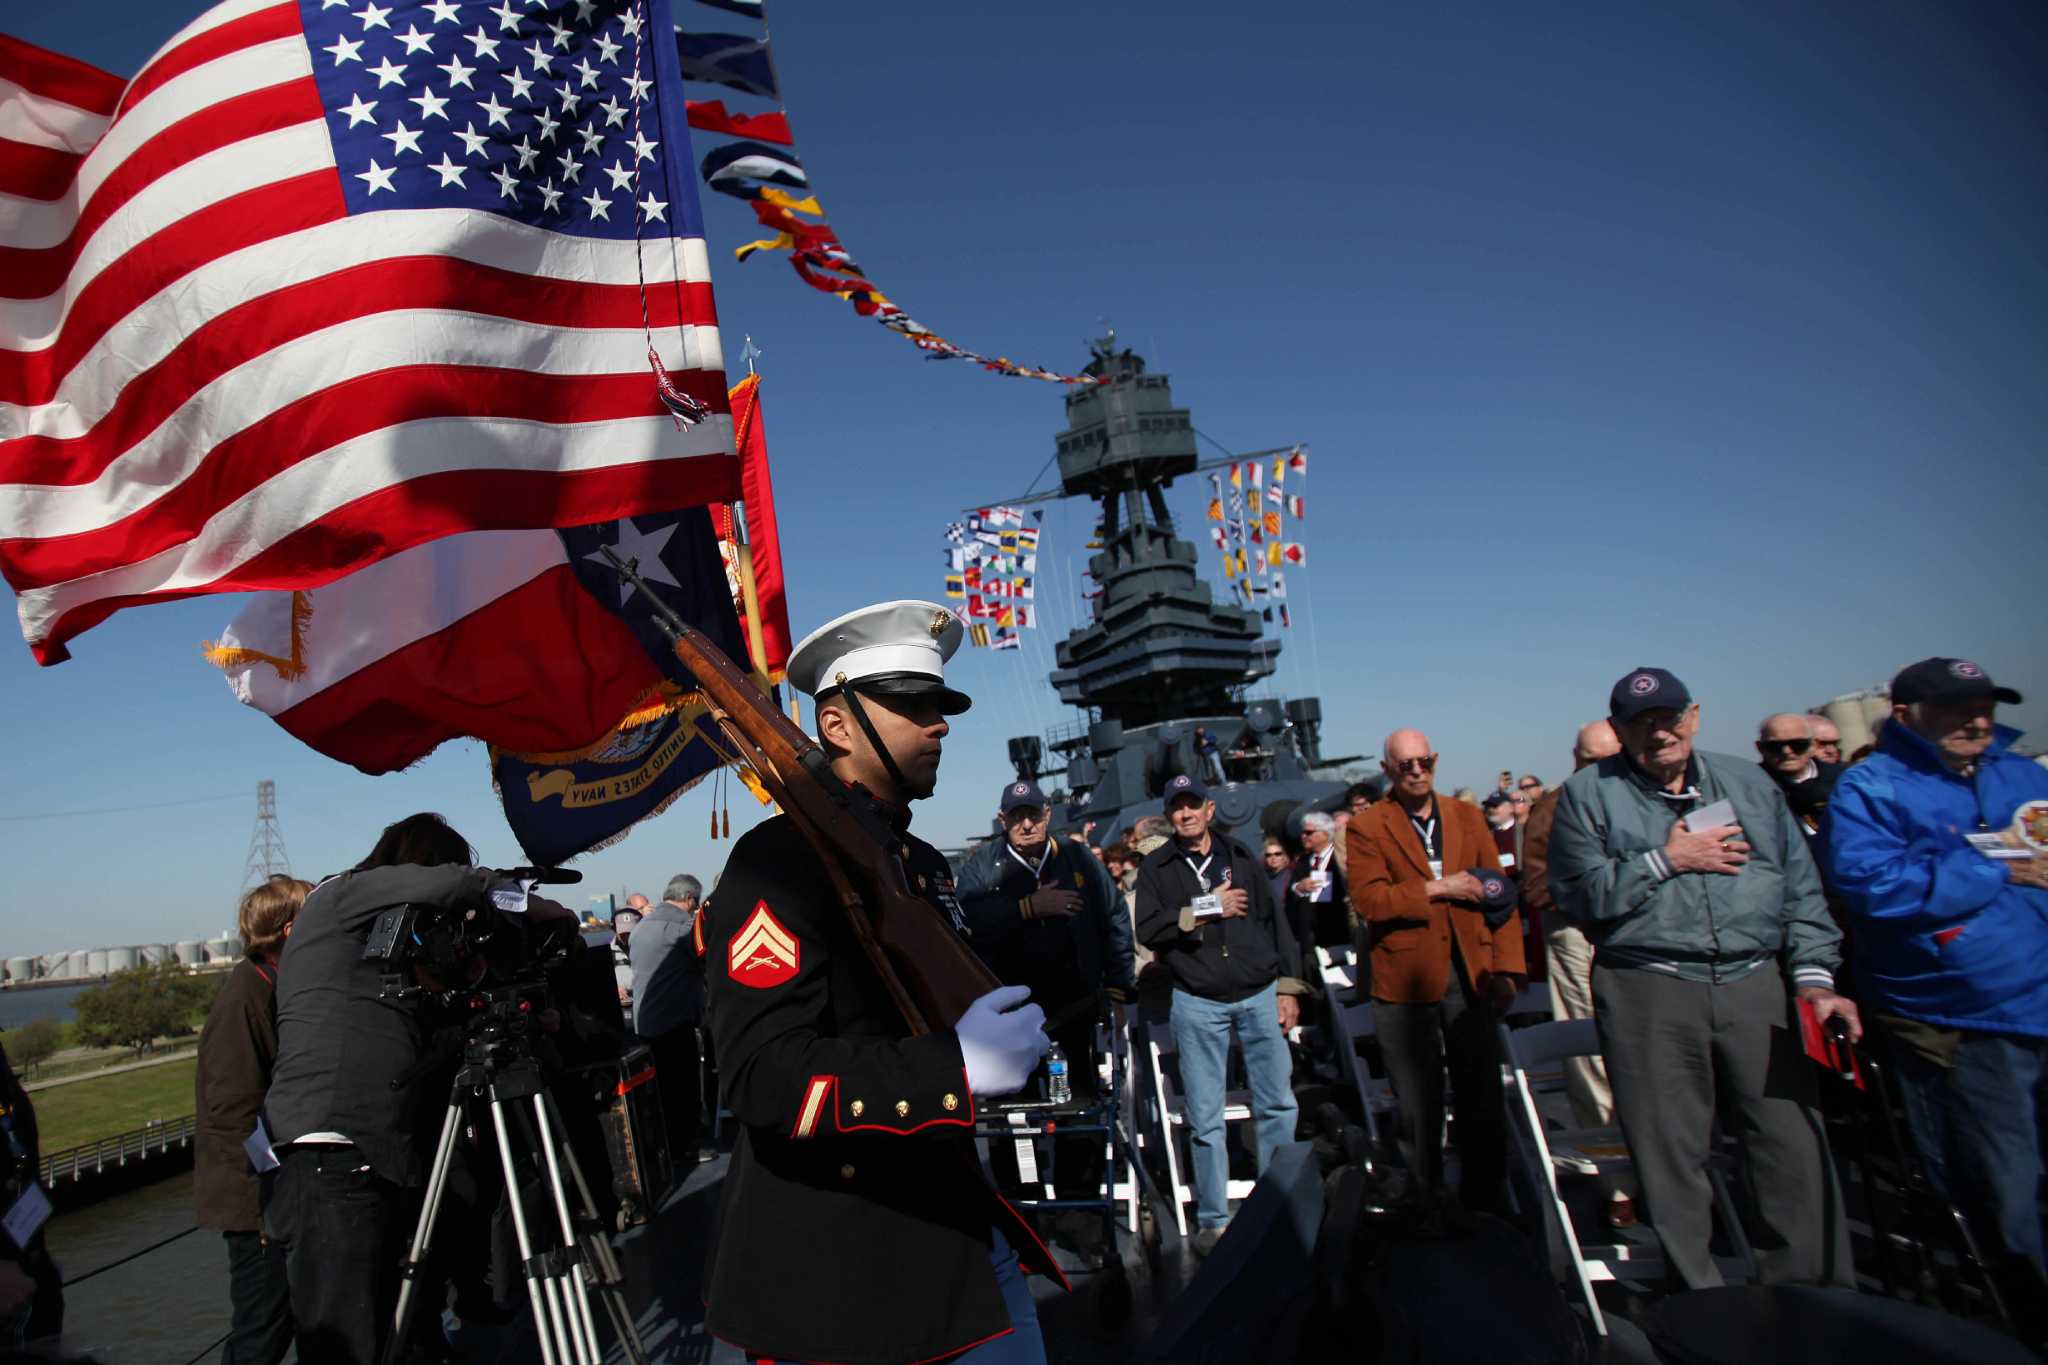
(1058, 1089)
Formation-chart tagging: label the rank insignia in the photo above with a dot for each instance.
(763, 953)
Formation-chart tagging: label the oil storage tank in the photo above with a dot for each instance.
(96, 962)
(21, 969)
(191, 952)
(1856, 715)
(154, 953)
(123, 959)
(76, 961)
(223, 949)
(54, 965)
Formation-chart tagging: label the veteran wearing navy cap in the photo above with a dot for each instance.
(1692, 879)
(857, 1223)
(1044, 913)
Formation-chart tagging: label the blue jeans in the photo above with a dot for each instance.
(1201, 1034)
(1979, 1128)
(1023, 1344)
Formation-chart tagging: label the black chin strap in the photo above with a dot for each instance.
(867, 727)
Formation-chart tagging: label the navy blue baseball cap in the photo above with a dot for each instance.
(1948, 680)
(1647, 689)
(1184, 785)
(1497, 896)
(1022, 793)
(1495, 798)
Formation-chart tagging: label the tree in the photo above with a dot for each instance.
(138, 1006)
(34, 1043)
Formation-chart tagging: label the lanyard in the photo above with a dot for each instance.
(1043, 858)
(1202, 872)
(1427, 830)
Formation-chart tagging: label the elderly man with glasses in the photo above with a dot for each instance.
(1941, 855)
(1790, 755)
(1441, 973)
(1694, 882)
(1827, 738)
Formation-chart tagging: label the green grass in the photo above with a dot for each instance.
(85, 1111)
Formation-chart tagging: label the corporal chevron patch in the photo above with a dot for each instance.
(763, 953)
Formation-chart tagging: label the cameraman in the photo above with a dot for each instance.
(351, 1108)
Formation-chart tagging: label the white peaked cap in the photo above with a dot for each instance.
(891, 648)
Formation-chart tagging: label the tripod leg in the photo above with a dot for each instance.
(598, 1255)
(423, 1234)
(545, 1324)
(578, 1274)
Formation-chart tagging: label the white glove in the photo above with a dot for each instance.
(1001, 1040)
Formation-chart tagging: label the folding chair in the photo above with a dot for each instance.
(1531, 1057)
(1348, 1025)
(1168, 1114)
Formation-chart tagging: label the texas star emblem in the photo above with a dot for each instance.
(763, 953)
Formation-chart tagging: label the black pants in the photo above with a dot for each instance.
(1417, 1041)
(343, 1229)
(260, 1331)
(678, 1070)
(1681, 1054)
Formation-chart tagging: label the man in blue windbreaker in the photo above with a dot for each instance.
(1949, 923)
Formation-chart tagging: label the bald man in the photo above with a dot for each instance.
(1571, 960)
(1441, 975)
(1787, 750)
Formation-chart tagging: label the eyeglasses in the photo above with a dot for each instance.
(1416, 765)
(1788, 746)
(1276, 853)
(1532, 786)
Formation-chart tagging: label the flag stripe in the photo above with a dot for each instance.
(255, 165)
(92, 367)
(594, 473)
(213, 17)
(30, 377)
(32, 172)
(198, 50)
(366, 306)
(56, 77)
(40, 121)
(49, 533)
(158, 135)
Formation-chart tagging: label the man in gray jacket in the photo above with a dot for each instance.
(1700, 914)
(668, 1008)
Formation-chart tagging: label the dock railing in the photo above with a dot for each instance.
(156, 1138)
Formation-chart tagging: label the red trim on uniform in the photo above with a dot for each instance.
(1018, 1218)
(635, 1081)
(1944, 937)
(816, 1092)
(967, 1122)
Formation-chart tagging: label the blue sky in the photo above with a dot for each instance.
(1707, 338)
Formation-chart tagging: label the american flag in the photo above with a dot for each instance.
(332, 278)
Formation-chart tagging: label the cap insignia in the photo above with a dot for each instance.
(941, 620)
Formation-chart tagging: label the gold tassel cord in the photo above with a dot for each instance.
(291, 669)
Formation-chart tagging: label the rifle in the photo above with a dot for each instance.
(930, 973)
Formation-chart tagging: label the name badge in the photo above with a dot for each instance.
(1207, 907)
(29, 1213)
(1436, 868)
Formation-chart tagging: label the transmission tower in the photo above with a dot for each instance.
(267, 857)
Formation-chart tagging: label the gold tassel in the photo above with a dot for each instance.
(288, 669)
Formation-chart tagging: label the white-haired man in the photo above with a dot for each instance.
(668, 1007)
(1318, 893)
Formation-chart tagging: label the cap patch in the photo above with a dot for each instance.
(1494, 886)
(1021, 789)
(1643, 684)
(940, 621)
(763, 953)
(1963, 668)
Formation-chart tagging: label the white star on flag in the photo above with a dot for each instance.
(442, 10)
(550, 197)
(403, 139)
(358, 111)
(495, 114)
(345, 51)
(475, 143)
(431, 105)
(458, 74)
(415, 41)
(600, 207)
(655, 210)
(450, 173)
(388, 73)
(373, 17)
(508, 18)
(622, 179)
(508, 185)
(644, 547)
(643, 150)
(377, 178)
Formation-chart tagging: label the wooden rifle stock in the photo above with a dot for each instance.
(930, 972)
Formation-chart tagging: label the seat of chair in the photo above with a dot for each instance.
(1587, 1151)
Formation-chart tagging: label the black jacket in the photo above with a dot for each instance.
(339, 1043)
(1061, 959)
(856, 1219)
(1227, 959)
(236, 1051)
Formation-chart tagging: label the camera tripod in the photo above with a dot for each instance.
(563, 1256)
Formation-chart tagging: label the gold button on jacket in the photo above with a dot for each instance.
(846, 1172)
(856, 1107)
(902, 1108)
(951, 1102)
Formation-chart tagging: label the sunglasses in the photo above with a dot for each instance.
(1788, 746)
(1531, 786)
(1416, 765)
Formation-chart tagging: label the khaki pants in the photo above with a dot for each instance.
(1571, 997)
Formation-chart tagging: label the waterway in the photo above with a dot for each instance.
(160, 1309)
(42, 1002)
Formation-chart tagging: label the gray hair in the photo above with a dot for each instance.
(1318, 820)
(1152, 827)
(683, 887)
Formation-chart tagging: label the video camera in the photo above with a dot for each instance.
(445, 950)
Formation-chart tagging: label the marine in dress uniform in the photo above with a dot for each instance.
(857, 1223)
